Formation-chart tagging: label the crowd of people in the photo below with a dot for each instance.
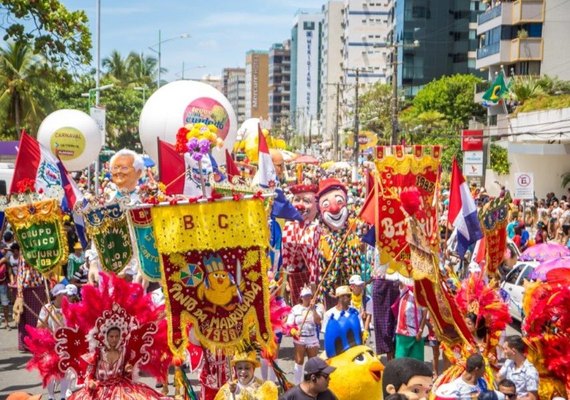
(325, 272)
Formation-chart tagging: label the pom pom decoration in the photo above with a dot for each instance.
(197, 140)
(411, 200)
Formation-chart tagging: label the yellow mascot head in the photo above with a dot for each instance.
(358, 371)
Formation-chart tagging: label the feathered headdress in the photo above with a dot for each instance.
(484, 300)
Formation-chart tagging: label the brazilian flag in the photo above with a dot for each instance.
(496, 92)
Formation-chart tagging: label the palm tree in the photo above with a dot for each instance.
(117, 68)
(143, 69)
(21, 84)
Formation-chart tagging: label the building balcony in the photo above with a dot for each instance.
(487, 51)
(528, 11)
(490, 14)
(527, 49)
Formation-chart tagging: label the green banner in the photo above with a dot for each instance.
(39, 231)
(109, 228)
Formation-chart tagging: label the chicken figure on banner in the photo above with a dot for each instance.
(214, 272)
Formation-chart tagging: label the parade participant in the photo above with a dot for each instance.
(469, 384)
(246, 386)
(30, 298)
(518, 369)
(339, 247)
(303, 320)
(109, 375)
(362, 302)
(300, 241)
(508, 389)
(343, 296)
(5, 279)
(408, 377)
(410, 324)
(51, 317)
(75, 260)
(126, 170)
(315, 384)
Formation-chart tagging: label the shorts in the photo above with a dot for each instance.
(4, 300)
(307, 341)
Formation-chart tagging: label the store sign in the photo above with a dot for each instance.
(472, 140)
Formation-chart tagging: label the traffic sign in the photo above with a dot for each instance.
(524, 186)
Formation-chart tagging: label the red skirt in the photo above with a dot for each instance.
(118, 389)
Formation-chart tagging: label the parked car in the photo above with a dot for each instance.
(513, 286)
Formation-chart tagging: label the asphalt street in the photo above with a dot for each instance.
(15, 377)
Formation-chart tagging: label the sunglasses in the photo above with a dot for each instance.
(326, 376)
(510, 395)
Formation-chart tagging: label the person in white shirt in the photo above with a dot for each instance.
(303, 320)
(362, 302)
(51, 317)
(518, 369)
(466, 386)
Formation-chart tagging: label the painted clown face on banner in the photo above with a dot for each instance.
(332, 203)
(305, 201)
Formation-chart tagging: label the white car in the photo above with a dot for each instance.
(513, 285)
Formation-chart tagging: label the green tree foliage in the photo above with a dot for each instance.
(375, 110)
(48, 28)
(451, 96)
(134, 69)
(500, 160)
(23, 81)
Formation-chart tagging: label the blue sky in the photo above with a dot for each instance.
(221, 31)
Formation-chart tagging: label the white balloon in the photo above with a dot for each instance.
(179, 103)
(73, 136)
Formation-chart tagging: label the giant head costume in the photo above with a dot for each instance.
(407, 376)
(332, 198)
(126, 169)
(305, 201)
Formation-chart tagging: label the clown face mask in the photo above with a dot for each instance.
(306, 204)
(333, 209)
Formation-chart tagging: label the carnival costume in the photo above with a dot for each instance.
(300, 245)
(484, 300)
(339, 248)
(82, 344)
(547, 327)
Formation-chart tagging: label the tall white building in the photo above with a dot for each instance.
(305, 38)
(366, 24)
(331, 55)
(234, 90)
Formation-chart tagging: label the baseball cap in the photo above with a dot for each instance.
(306, 291)
(71, 290)
(356, 280)
(342, 290)
(58, 289)
(317, 365)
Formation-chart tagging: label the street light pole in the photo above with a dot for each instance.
(356, 126)
(394, 138)
(159, 54)
(98, 72)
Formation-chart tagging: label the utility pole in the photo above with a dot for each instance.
(394, 139)
(337, 123)
(356, 125)
(159, 61)
(310, 129)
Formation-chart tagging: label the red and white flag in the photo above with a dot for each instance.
(265, 175)
(181, 173)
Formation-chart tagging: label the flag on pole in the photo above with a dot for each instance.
(496, 92)
(171, 168)
(231, 167)
(181, 173)
(35, 162)
(463, 212)
(265, 175)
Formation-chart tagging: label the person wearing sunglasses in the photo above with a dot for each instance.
(508, 389)
(315, 384)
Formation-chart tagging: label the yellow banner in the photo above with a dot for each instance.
(210, 226)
